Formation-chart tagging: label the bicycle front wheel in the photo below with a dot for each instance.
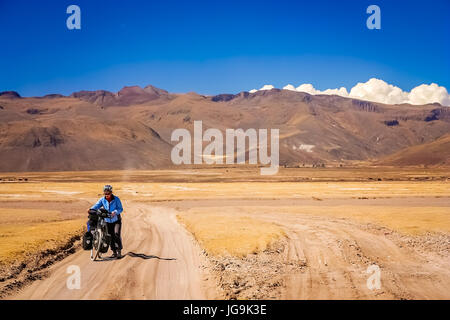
(97, 242)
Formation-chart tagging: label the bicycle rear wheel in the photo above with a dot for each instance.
(97, 242)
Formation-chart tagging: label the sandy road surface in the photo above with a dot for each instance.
(167, 264)
(338, 252)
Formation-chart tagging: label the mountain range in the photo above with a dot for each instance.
(131, 129)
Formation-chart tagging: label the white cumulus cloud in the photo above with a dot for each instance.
(289, 87)
(380, 91)
(428, 94)
(265, 87)
(308, 88)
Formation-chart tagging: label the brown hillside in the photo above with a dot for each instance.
(93, 130)
(436, 153)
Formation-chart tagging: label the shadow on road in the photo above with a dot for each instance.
(145, 256)
(135, 255)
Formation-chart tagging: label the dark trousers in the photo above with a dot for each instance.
(114, 230)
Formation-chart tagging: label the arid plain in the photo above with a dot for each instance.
(306, 233)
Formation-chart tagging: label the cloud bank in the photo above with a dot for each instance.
(377, 90)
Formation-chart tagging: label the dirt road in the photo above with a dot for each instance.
(162, 262)
(338, 252)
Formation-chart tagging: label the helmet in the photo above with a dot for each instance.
(107, 188)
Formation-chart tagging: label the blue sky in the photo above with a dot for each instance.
(215, 47)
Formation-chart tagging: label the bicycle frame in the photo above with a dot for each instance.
(100, 234)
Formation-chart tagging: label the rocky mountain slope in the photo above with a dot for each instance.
(131, 129)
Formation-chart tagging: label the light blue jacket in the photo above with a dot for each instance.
(114, 206)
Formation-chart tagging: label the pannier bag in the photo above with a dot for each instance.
(93, 215)
(87, 241)
(93, 219)
(105, 243)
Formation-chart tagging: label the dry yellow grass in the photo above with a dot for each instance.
(26, 232)
(26, 216)
(230, 235)
(407, 220)
(229, 231)
(23, 240)
(410, 220)
(250, 173)
(57, 191)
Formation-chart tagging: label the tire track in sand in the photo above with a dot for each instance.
(337, 253)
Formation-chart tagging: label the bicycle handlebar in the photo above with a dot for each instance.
(102, 213)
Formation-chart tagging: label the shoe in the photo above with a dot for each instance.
(119, 254)
(114, 255)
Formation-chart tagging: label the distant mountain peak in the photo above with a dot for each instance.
(126, 96)
(10, 94)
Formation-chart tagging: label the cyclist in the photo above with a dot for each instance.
(113, 204)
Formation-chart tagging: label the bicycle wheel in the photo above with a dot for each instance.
(97, 242)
